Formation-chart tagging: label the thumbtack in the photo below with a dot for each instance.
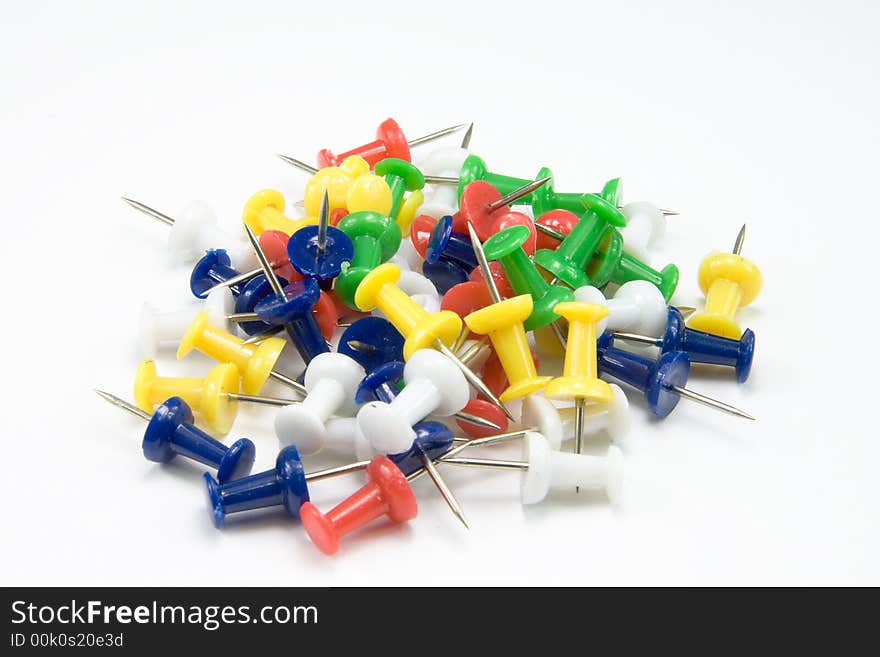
(265, 211)
(645, 226)
(434, 240)
(371, 342)
(569, 260)
(211, 396)
(171, 431)
(637, 306)
(254, 291)
(662, 380)
(331, 381)
(376, 237)
(421, 330)
(545, 469)
(442, 199)
(701, 347)
(386, 492)
(274, 245)
(485, 208)
(255, 362)
(390, 142)
(402, 176)
(291, 307)
(553, 226)
(506, 248)
(729, 282)
(434, 385)
(157, 327)
(503, 323)
(580, 379)
(194, 232)
(320, 251)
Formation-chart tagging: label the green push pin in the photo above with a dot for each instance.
(612, 264)
(401, 176)
(474, 168)
(568, 262)
(376, 237)
(545, 198)
(506, 248)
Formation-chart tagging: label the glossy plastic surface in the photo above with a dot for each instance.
(390, 142)
(384, 343)
(212, 268)
(309, 260)
(704, 347)
(294, 313)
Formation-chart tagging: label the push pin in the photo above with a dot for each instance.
(383, 384)
(560, 424)
(402, 176)
(474, 169)
(213, 396)
(503, 323)
(489, 212)
(421, 330)
(320, 251)
(331, 381)
(501, 281)
(254, 291)
(569, 260)
(274, 245)
(390, 142)
(699, 346)
(662, 380)
(255, 362)
(195, 231)
(443, 199)
(171, 432)
(444, 274)
(365, 192)
(645, 226)
(729, 282)
(291, 307)
(158, 327)
(434, 385)
(580, 378)
(324, 311)
(637, 306)
(434, 240)
(545, 469)
(506, 248)
(553, 227)
(387, 492)
(265, 211)
(371, 342)
(376, 238)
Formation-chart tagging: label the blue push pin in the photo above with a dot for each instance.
(701, 347)
(446, 244)
(171, 432)
(254, 291)
(444, 274)
(320, 251)
(662, 380)
(287, 483)
(213, 268)
(381, 384)
(293, 311)
(371, 342)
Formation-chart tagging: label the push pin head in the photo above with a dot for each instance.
(320, 255)
(376, 238)
(390, 142)
(371, 342)
(212, 268)
(336, 182)
(265, 211)
(255, 290)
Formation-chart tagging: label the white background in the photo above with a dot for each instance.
(764, 112)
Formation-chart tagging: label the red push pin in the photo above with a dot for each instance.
(390, 142)
(387, 491)
(489, 212)
(553, 226)
(501, 282)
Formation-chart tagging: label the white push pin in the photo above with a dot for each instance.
(637, 307)
(645, 226)
(157, 327)
(546, 469)
(612, 418)
(195, 231)
(442, 200)
(541, 416)
(434, 386)
(331, 381)
(344, 436)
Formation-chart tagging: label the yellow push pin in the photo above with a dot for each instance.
(420, 329)
(580, 380)
(729, 282)
(503, 323)
(349, 186)
(408, 209)
(255, 362)
(265, 211)
(212, 396)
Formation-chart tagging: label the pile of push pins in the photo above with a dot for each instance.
(444, 296)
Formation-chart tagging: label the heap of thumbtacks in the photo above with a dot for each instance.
(436, 285)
